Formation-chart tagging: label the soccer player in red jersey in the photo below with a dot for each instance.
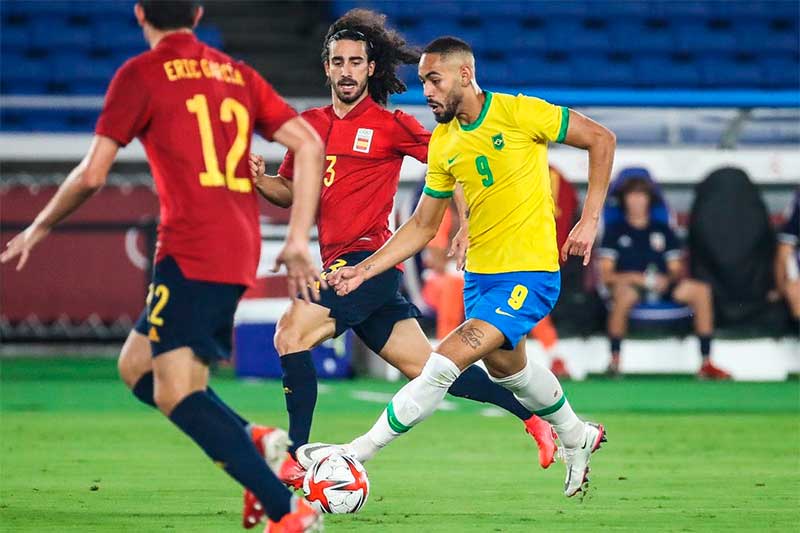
(365, 146)
(195, 109)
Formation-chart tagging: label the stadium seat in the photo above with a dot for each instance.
(781, 71)
(665, 71)
(14, 38)
(638, 37)
(729, 72)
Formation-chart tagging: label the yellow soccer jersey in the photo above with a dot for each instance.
(501, 162)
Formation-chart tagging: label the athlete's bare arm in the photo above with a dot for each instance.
(600, 142)
(85, 179)
(299, 137)
(276, 189)
(409, 239)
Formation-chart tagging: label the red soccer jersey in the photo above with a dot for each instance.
(363, 153)
(195, 109)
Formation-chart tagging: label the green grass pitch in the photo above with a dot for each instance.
(80, 454)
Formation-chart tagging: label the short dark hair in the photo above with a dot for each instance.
(385, 46)
(636, 184)
(447, 45)
(170, 14)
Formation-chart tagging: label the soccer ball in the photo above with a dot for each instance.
(336, 484)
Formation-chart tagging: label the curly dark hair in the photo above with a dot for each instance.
(386, 47)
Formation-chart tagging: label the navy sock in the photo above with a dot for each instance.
(224, 440)
(143, 390)
(705, 346)
(300, 391)
(474, 384)
(213, 395)
(616, 344)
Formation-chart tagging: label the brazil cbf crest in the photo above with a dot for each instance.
(498, 142)
(363, 140)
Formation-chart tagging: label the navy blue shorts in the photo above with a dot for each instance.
(184, 312)
(373, 309)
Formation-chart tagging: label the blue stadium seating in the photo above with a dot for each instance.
(669, 44)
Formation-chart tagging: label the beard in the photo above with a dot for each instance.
(448, 109)
(352, 97)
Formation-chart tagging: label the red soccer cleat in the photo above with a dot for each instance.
(303, 519)
(271, 443)
(711, 372)
(545, 437)
(291, 473)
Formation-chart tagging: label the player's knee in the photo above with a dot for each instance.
(288, 340)
(167, 398)
(624, 296)
(440, 371)
(129, 367)
(410, 369)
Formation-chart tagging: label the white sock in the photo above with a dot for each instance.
(538, 389)
(412, 404)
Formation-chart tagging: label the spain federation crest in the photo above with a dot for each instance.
(498, 142)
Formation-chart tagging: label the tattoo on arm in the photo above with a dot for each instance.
(470, 335)
(369, 267)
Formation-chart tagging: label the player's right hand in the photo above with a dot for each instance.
(302, 274)
(458, 248)
(345, 280)
(258, 167)
(22, 244)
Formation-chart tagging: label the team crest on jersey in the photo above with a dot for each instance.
(363, 140)
(657, 241)
(498, 142)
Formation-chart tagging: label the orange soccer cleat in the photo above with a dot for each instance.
(712, 372)
(271, 443)
(302, 519)
(291, 473)
(545, 437)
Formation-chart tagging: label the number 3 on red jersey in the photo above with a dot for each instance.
(229, 110)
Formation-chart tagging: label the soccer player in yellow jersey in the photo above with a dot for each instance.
(495, 146)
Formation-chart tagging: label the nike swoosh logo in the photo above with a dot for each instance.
(450, 160)
(501, 312)
(308, 450)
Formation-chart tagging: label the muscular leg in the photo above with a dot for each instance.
(408, 349)
(135, 365)
(420, 397)
(180, 393)
(302, 327)
(697, 295)
(792, 294)
(623, 298)
(537, 389)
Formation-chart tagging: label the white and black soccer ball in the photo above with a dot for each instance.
(336, 484)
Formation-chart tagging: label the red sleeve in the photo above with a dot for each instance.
(271, 110)
(125, 110)
(412, 137)
(287, 167)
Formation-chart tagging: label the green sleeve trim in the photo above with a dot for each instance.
(553, 408)
(437, 194)
(562, 132)
(394, 423)
(484, 110)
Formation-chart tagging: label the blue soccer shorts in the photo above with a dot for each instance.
(513, 302)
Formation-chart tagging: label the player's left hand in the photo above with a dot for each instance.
(258, 167)
(458, 248)
(302, 273)
(345, 280)
(22, 244)
(580, 241)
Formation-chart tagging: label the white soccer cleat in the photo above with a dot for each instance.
(310, 453)
(577, 459)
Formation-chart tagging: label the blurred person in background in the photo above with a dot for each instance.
(787, 258)
(642, 259)
(187, 102)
